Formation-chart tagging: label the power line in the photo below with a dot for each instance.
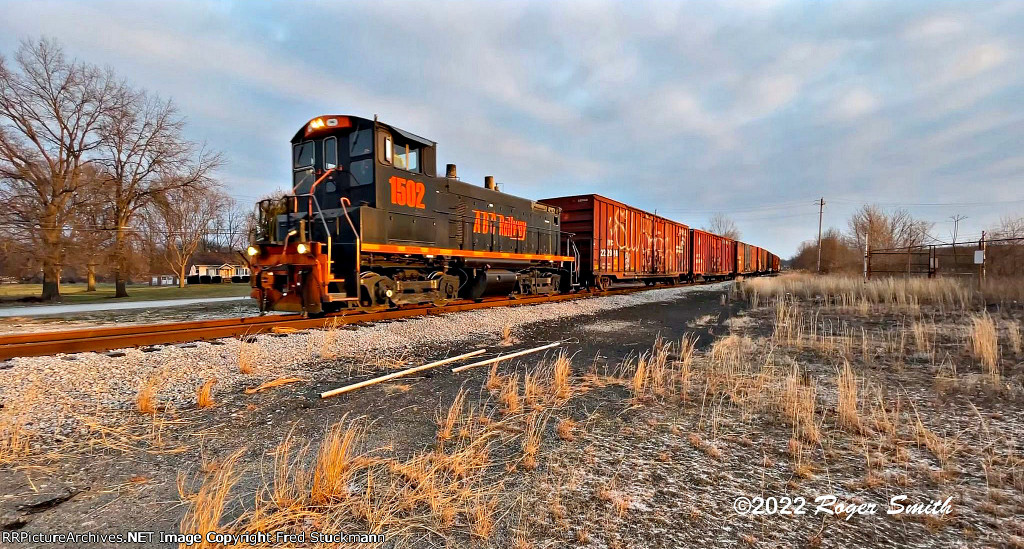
(766, 207)
(923, 204)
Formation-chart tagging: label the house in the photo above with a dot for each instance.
(225, 271)
(163, 280)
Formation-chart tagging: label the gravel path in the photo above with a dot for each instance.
(52, 393)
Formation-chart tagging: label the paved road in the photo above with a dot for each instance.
(45, 310)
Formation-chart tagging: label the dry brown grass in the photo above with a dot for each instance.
(687, 346)
(853, 292)
(249, 353)
(1013, 337)
(561, 386)
(532, 435)
(799, 406)
(145, 399)
(533, 391)
(204, 393)
(446, 424)
(329, 340)
(923, 334)
(847, 405)
(506, 335)
(494, 380)
(15, 438)
(564, 429)
(482, 523)
(208, 504)
(509, 395)
(271, 384)
(640, 380)
(984, 343)
(335, 464)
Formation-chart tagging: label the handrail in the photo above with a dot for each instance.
(345, 203)
(327, 231)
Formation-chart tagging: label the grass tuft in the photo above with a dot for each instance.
(846, 408)
(204, 394)
(145, 399)
(984, 343)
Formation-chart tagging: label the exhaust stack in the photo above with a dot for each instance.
(450, 172)
(489, 183)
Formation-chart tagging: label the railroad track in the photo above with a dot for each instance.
(148, 335)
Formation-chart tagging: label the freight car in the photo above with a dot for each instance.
(714, 256)
(745, 254)
(617, 243)
(370, 224)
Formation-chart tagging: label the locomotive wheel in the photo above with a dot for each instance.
(375, 291)
(447, 288)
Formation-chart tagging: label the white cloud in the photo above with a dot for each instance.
(856, 103)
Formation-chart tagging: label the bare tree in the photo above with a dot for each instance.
(721, 224)
(145, 155)
(836, 254)
(884, 230)
(50, 110)
(1009, 227)
(185, 215)
(90, 225)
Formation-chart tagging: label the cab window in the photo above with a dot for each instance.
(360, 142)
(330, 153)
(407, 158)
(302, 154)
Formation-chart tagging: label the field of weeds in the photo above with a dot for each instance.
(898, 391)
(643, 432)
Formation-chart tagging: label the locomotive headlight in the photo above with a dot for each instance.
(252, 251)
(302, 248)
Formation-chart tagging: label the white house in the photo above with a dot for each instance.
(226, 270)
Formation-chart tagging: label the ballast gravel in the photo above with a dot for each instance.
(51, 395)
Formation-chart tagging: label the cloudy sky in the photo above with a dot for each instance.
(753, 108)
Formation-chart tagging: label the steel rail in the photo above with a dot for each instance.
(146, 335)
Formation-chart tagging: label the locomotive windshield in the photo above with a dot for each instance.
(351, 152)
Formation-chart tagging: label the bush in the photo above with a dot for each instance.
(204, 279)
(192, 279)
(217, 280)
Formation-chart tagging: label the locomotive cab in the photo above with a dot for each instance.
(343, 147)
(369, 224)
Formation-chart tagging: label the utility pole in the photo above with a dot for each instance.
(982, 245)
(867, 256)
(956, 225)
(821, 210)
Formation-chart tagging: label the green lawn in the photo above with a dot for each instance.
(75, 293)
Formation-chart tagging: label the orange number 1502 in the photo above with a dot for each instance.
(406, 192)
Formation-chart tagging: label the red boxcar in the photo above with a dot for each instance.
(758, 259)
(713, 255)
(619, 242)
(745, 258)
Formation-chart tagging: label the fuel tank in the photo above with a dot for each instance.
(490, 282)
